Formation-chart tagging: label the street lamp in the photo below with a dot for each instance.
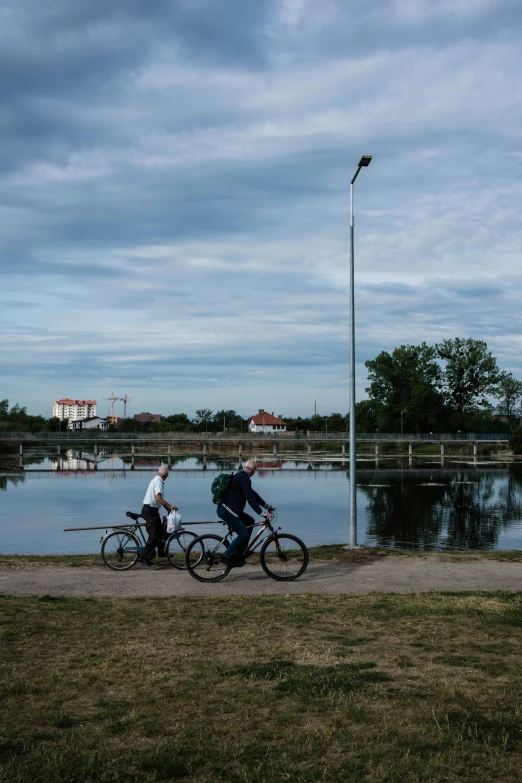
(365, 161)
(402, 428)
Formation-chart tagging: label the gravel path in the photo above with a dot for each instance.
(394, 575)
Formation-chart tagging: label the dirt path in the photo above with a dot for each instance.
(384, 575)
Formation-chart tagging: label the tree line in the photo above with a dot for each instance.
(446, 387)
(232, 422)
(16, 419)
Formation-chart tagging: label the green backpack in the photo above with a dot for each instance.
(220, 487)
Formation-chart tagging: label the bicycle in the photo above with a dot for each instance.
(283, 557)
(121, 548)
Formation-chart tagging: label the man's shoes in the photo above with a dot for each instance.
(144, 561)
(232, 563)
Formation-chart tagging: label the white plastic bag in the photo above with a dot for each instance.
(174, 522)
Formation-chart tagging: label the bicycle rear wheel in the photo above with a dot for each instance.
(202, 558)
(284, 557)
(176, 547)
(120, 550)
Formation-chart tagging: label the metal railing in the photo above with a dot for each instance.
(92, 435)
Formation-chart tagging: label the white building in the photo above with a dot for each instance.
(91, 423)
(73, 410)
(266, 422)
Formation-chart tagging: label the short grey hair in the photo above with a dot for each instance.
(163, 471)
(251, 463)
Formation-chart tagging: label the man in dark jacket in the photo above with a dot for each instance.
(231, 511)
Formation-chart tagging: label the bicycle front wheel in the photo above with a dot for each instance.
(284, 557)
(202, 558)
(120, 550)
(176, 547)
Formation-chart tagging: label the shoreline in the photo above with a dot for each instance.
(329, 553)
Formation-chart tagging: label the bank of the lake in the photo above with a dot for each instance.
(330, 553)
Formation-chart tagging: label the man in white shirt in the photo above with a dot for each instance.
(150, 512)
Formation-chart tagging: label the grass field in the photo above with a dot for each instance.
(378, 688)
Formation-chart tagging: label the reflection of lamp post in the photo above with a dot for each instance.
(365, 161)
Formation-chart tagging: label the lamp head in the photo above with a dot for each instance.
(365, 160)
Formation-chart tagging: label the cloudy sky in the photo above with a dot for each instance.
(174, 194)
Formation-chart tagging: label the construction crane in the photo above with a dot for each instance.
(125, 399)
(111, 417)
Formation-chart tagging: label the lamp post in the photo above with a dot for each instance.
(365, 161)
(402, 428)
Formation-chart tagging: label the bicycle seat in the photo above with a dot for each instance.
(135, 517)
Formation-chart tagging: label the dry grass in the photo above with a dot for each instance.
(379, 689)
(337, 553)
(35, 561)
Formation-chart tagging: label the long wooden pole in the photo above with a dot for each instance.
(132, 524)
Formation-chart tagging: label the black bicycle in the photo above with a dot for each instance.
(282, 556)
(121, 548)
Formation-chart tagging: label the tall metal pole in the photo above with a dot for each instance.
(353, 467)
(365, 161)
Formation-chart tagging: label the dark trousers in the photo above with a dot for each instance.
(238, 525)
(155, 530)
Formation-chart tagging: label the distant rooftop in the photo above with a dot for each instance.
(263, 417)
(145, 418)
(67, 401)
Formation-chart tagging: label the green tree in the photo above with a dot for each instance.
(56, 424)
(298, 425)
(317, 423)
(516, 441)
(203, 415)
(509, 392)
(407, 381)
(16, 418)
(177, 422)
(227, 418)
(469, 375)
(368, 415)
(337, 423)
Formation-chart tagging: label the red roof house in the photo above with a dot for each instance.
(266, 422)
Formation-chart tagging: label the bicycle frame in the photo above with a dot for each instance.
(266, 527)
(136, 530)
(132, 530)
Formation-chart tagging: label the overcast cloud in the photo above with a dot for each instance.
(174, 194)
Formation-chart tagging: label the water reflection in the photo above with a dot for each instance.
(13, 479)
(461, 509)
(419, 505)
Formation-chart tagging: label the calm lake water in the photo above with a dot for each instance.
(422, 506)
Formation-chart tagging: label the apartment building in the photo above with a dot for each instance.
(74, 410)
